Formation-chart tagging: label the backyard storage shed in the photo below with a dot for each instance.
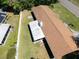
(59, 37)
(36, 30)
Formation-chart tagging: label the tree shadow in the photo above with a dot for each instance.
(72, 55)
(30, 33)
(10, 9)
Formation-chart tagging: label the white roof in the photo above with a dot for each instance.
(3, 30)
(36, 30)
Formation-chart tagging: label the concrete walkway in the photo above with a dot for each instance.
(18, 37)
(70, 6)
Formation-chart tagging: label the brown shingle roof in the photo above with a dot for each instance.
(58, 36)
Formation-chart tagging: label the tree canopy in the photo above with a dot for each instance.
(19, 5)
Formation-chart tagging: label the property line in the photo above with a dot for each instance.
(18, 37)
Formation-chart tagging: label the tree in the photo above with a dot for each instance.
(44, 2)
(3, 2)
(54, 1)
(27, 3)
(17, 6)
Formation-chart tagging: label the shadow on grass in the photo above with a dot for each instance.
(30, 33)
(11, 53)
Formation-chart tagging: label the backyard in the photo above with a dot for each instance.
(66, 16)
(27, 49)
(7, 50)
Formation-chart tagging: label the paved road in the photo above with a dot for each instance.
(70, 6)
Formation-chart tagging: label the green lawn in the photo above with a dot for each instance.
(7, 51)
(66, 16)
(27, 48)
(75, 2)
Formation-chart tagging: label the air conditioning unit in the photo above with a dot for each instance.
(40, 23)
(76, 35)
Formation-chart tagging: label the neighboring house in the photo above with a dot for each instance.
(59, 38)
(2, 17)
(4, 28)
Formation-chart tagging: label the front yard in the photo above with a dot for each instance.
(66, 16)
(76, 2)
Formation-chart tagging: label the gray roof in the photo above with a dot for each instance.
(2, 16)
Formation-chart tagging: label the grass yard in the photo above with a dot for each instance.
(27, 48)
(8, 50)
(66, 16)
(75, 2)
